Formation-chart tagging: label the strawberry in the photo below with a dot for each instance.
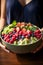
(23, 30)
(18, 24)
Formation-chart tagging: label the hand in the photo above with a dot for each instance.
(34, 51)
(4, 48)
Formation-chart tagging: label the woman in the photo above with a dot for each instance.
(20, 10)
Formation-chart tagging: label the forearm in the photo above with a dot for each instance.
(0, 8)
(3, 9)
(3, 14)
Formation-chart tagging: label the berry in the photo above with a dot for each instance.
(7, 40)
(20, 33)
(22, 37)
(26, 36)
(18, 24)
(7, 36)
(37, 31)
(23, 30)
(16, 34)
(13, 35)
(13, 38)
(11, 42)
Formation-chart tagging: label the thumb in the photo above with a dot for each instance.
(4, 48)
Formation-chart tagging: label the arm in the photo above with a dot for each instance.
(3, 14)
(0, 8)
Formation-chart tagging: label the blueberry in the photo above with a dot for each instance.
(32, 34)
(22, 37)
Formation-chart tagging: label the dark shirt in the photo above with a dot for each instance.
(28, 13)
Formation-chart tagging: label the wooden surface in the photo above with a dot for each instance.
(23, 59)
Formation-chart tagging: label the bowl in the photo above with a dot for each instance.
(21, 49)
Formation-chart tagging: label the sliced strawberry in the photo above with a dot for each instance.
(23, 30)
(22, 24)
(18, 24)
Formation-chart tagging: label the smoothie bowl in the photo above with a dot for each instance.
(21, 37)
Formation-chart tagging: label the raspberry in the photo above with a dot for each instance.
(13, 38)
(23, 30)
(11, 41)
(6, 37)
(37, 31)
(20, 33)
(16, 34)
(8, 40)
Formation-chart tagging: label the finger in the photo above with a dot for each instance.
(4, 48)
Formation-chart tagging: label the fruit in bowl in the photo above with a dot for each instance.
(21, 37)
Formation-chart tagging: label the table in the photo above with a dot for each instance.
(23, 59)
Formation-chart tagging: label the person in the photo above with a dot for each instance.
(19, 10)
